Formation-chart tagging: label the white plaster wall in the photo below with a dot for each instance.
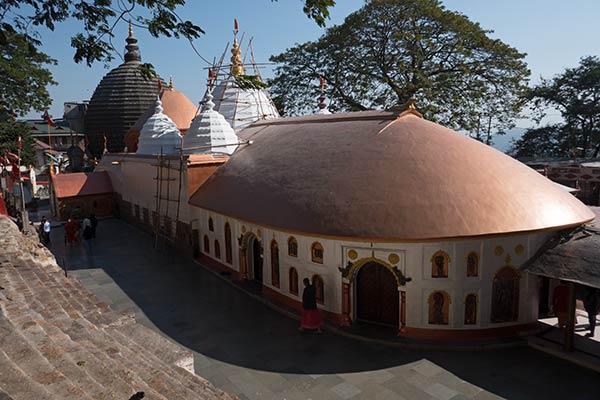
(135, 180)
(415, 263)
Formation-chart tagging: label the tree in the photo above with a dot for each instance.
(391, 51)
(9, 140)
(576, 95)
(24, 76)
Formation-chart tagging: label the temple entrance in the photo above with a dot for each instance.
(377, 297)
(255, 259)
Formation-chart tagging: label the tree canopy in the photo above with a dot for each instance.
(391, 51)
(24, 76)
(575, 93)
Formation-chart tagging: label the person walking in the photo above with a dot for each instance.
(87, 235)
(311, 316)
(560, 303)
(94, 222)
(71, 228)
(591, 304)
(44, 231)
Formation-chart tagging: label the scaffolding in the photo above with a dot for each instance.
(163, 227)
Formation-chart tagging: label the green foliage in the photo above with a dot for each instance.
(390, 51)
(248, 82)
(23, 75)
(576, 95)
(9, 140)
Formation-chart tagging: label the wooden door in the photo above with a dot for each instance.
(377, 295)
(257, 261)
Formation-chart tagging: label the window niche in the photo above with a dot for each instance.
(293, 281)
(471, 309)
(439, 264)
(292, 247)
(472, 264)
(217, 249)
(439, 308)
(206, 244)
(317, 281)
(228, 248)
(274, 263)
(316, 253)
(211, 225)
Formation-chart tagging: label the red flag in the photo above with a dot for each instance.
(211, 74)
(20, 143)
(322, 83)
(48, 118)
(15, 171)
(235, 26)
(159, 86)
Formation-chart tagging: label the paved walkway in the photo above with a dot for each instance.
(247, 349)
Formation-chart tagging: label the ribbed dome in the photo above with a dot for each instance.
(210, 132)
(376, 175)
(120, 98)
(159, 134)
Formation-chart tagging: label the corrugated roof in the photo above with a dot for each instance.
(377, 175)
(81, 184)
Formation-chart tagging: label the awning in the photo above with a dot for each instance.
(573, 257)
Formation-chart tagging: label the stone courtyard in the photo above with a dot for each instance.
(247, 349)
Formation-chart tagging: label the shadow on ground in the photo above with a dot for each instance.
(223, 325)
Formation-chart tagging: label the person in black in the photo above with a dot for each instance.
(94, 222)
(591, 304)
(311, 316)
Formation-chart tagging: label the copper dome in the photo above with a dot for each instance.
(376, 175)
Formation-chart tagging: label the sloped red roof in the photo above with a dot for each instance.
(81, 184)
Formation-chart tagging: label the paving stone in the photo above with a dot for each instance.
(345, 390)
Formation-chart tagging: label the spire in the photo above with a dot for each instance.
(208, 103)
(170, 83)
(236, 54)
(133, 51)
(158, 109)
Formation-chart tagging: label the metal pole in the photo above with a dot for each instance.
(570, 328)
(24, 216)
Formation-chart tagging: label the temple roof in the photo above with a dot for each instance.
(120, 98)
(384, 176)
(210, 132)
(81, 184)
(159, 135)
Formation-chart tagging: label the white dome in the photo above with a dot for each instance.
(159, 132)
(242, 107)
(210, 132)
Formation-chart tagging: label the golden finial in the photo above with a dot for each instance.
(236, 59)
(130, 30)
(411, 104)
(170, 83)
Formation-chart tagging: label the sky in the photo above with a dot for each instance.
(554, 34)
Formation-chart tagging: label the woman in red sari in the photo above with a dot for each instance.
(71, 228)
(311, 316)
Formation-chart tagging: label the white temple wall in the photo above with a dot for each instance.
(135, 180)
(414, 260)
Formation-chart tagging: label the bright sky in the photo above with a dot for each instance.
(555, 35)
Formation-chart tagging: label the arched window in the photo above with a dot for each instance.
(316, 252)
(317, 281)
(439, 265)
(293, 278)
(471, 309)
(439, 308)
(217, 249)
(274, 263)
(206, 244)
(211, 226)
(292, 247)
(228, 251)
(505, 295)
(472, 264)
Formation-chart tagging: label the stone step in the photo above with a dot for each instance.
(14, 381)
(41, 371)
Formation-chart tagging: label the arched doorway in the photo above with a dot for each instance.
(255, 258)
(377, 297)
